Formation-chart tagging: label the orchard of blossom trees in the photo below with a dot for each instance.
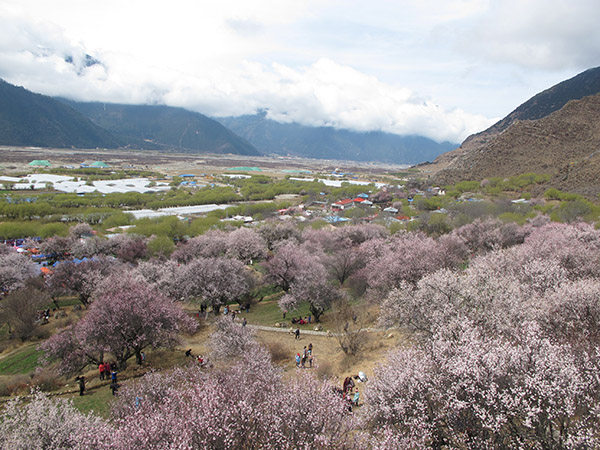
(507, 352)
(502, 348)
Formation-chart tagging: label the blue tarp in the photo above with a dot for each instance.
(336, 219)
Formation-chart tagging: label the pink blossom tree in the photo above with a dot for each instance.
(311, 285)
(276, 233)
(44, 423)
(211, 244)
(20, 311)
(248, 405)
(344, 261)
(163, 274)
(290, 260)
(216, 281)
(408, 257)
(129, 247)
(571, 313)
(484, 235)
(15, 270)
(56, 247)
(81, 278)
(476, 391)
(359, 234)
(246, 245)
(81, 230)
(89, 247)
(126, 317)
(231, 340)
(576, 247)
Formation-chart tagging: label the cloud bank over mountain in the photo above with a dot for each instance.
(443, 70)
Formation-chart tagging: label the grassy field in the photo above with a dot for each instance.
(265, 312)
(17, 365)
(96, 400)
(21, 361)
(268, 313)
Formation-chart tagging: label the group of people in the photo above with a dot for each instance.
(109, 371)
(301, 320)
(306, 356)
(43, 316)
(106, 370)
(233, 313)
(348, 391)
(201, 360)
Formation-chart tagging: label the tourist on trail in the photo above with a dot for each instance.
(297, 333)
(310, 349)
(304, 356)
(356, 398)
(81, 381)
(101, 369)
(113, 376)
(188, 352)
(244, 322)
(348, 385)
(298, 359)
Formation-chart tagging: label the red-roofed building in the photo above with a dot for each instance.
(343, 204)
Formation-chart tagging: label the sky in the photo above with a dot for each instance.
(443, 69)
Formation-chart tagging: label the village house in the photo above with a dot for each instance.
(342, 205)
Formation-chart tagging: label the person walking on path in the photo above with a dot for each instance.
(244, 322)
(297, 333)
(81, 381)
(101, 369)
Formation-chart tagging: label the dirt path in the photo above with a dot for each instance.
(313, 332)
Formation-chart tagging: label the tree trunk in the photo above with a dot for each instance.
(316, 312)
(138, 356)
(84, 300)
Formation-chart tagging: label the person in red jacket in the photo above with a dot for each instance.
(101, 369)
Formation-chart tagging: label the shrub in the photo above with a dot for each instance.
(277, 351)
(46, 379)
(324, 370)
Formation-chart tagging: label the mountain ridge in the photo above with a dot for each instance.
(30, 119)
(164, 128)
(561, 139)
(293, 139)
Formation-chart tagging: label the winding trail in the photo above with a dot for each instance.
(313, 332)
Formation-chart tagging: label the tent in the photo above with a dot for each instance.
(100, 164)
(245, 169)
(40, 163)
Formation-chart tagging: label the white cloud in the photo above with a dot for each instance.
(536, 34)
(404, 67)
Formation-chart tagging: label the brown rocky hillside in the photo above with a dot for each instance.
(564, 144)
